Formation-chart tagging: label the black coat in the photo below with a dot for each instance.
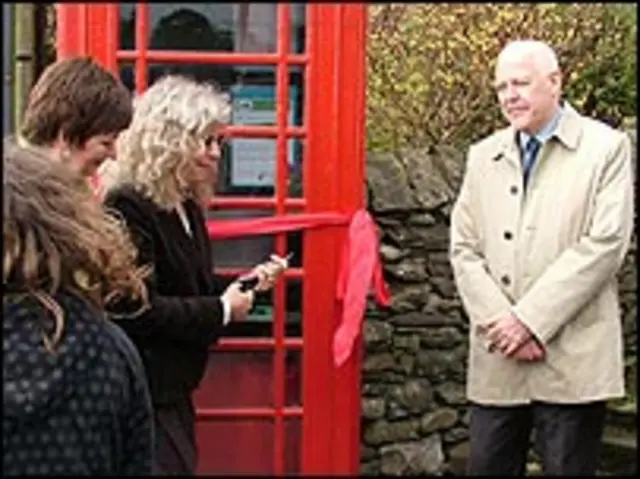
(81, 410)
(185, 317)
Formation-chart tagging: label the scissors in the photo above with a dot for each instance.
(249, 283)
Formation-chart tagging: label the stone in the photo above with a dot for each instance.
(413, 458)
(386, 220)
(455, 435)
(432, 238)
(408, 270)
(391, 254)
(466, 417)
(368, 453)
(410, 297)
(370, 468)
(374, 312)
(407, 342)
(420, 318)
(450, 309)
(388, 377)
(459, 458)
(416, 395)
(452, 393)
(378, 362)
(445, 210)
(534, 469)
(373, 388)
(445, 286)
(445, 337)
(406, 363)
(388, 184)
(439, 265)
(396, 412)
(434, 175)
(377, 332)
(385, 432)
(373, 408)
(441, 364)
(397, 234)
(421, 219)
(442, 418)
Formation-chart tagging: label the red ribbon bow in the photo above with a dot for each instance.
(360, 266)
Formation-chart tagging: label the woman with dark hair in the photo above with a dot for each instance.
(76, 110)
(75, 398)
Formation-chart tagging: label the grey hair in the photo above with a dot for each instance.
(541, 53)
(154, 154)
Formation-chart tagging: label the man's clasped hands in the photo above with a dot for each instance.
(509, 336)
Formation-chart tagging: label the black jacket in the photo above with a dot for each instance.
(82, 409)
(185, 317)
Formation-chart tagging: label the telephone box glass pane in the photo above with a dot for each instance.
(235, 446)
(248, 168)
(127, 73)
(293, 365)
(237, 379)
(245, 379)
(127, 26)
(252, 89)
(220, 27)
(293, 445)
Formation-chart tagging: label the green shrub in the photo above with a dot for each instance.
(430, 67)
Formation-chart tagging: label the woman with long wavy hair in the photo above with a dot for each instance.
(75, 397)
(164, 176)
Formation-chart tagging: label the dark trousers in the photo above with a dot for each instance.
(567, 438)
(175, 448)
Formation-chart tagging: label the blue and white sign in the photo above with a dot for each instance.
(253, 160)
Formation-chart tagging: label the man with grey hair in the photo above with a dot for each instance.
(539, 230)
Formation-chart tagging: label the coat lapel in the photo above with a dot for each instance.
(201, 258)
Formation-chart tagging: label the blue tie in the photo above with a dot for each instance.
(530, 153)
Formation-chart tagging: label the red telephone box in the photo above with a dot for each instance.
(272, 402)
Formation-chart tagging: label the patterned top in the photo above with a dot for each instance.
(83, 409)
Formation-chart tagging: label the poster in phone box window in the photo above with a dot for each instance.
(253, 160)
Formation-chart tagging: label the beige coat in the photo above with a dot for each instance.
(550, 257)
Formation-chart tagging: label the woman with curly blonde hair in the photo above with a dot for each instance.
(164, 176)
(75, 397)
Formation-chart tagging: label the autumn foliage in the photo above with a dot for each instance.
(430, 66)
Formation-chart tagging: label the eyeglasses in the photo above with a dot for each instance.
(221, 140)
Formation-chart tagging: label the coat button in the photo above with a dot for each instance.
(505, 280)
(508, 235)
(513, 190)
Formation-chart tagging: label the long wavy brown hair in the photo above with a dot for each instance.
(57, 238)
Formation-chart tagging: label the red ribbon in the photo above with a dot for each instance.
(360, 265)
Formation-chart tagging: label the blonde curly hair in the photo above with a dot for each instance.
(156, 154)
(57, 238)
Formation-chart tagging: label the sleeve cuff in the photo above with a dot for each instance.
(226, 311)
(535, 332)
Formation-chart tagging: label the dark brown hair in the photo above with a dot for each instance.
(57, 238)
(78, 98)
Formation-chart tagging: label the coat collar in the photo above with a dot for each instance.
(568, 133)
(570, 127)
